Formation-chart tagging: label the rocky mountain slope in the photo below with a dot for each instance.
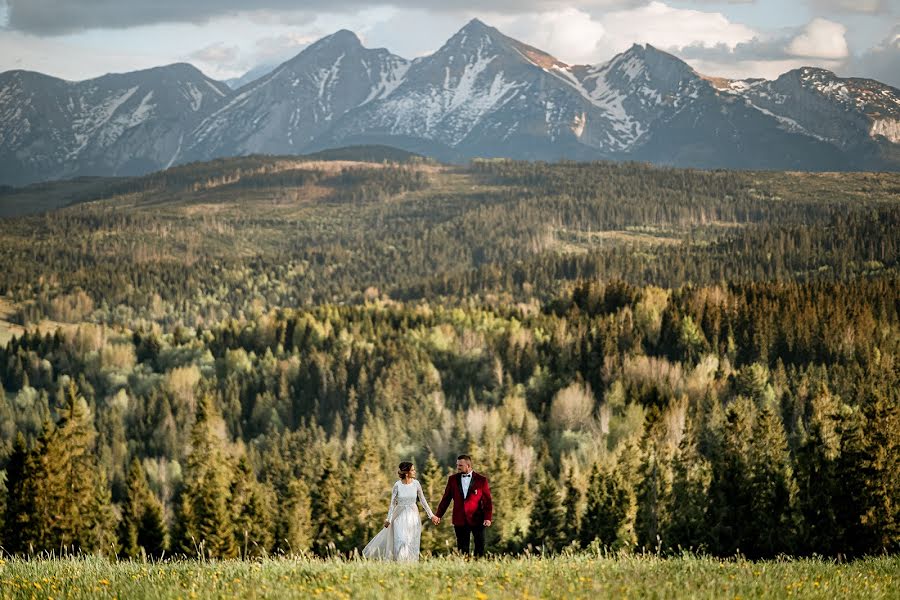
(481, 94)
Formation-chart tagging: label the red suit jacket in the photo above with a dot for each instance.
(473, 509)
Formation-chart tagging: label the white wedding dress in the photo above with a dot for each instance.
(400, 540)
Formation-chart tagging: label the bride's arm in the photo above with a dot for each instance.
(390, 514)
(423, 500)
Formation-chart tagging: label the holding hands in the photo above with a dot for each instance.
(436, 520)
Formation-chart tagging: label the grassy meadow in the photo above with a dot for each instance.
(560, 577)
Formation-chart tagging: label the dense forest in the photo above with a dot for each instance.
(230, 359)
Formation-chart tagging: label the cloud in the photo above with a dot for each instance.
(855, 6)
(771, 55)
(215, 53)
(881, 62)
(672, 28)
(821, 38)
(570, 34)
(54, 17)
(281, 47)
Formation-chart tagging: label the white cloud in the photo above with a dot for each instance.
(764, 69)
(820, 39)
(569, 34)
(216, 53)
(881, 62)
(671, 28)
(854, 6)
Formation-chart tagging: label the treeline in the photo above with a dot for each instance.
(758, 418)
(499, 230)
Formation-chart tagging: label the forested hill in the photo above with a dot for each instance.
(233, 356)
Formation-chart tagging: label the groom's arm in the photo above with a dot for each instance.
(487, 503)
(445, 500)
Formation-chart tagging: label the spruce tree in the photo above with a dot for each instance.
(606, 509)
(730, 510)
(880, 467)
(572, 506)
(19, 522)
(71, 507)
(251, 515)
(204, 518)
(293, 520)
(437, 540)
(369, 490)
(819, 483)
(773, 490)
(142, 528)
(330, 531)
(545, 531)
(687, 524)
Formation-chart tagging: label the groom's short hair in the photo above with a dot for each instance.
(465, 457)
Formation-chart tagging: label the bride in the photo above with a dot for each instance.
(399, 540)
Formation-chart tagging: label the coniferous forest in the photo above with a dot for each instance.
(229, 359)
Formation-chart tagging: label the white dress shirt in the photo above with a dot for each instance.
(466, 481)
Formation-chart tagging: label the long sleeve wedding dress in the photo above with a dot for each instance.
(400, 540)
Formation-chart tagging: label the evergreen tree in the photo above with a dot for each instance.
(293, 521)
(688, 519)
(880, 466)
(819, 481)
(370, 489)
(545, 531)
(19, 522)
(773, 490)
(204, 518)
(437, 540)
(251, 516)
(330, 531)
(142, 529)
(653, 486)
(606, 509)
(730, 510)
(572, 506)
(71, 508)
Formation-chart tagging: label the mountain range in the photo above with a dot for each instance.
(481, 94)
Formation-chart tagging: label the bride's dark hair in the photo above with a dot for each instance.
(405, 468)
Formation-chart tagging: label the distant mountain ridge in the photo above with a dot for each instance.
(481, 94)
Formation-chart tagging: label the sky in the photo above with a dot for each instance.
(80, 39)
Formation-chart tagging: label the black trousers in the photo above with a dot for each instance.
(462, 538)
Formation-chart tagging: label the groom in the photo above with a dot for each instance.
(472, 505)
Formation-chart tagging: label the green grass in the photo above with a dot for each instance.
(567, 577)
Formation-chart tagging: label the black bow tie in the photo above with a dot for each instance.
(467, 475)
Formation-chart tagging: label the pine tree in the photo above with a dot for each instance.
(730, 510)
(251, 516)
(369, 489)
(330, 534)
(436, 540)
(773, 490)
(71, 505)
(653, 487)
(511, 500)
(545, 531)
(606, 510)
(687, 524)
(142, 528)
(293, 521)
(819, 482)
(19, 526)
(880, 465)
(572, 506)
(204, 518)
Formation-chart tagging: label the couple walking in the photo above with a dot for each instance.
(472, 512)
